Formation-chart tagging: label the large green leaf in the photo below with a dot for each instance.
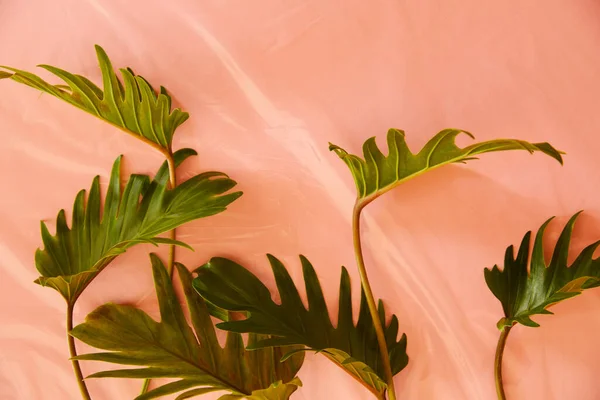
(133, 106)
(172, 349)
(376, 173)
(354, 347)
(138, 214)
(524, 292)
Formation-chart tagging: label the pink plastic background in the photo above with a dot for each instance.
(268, 84)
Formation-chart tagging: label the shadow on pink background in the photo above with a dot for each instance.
(268, 84)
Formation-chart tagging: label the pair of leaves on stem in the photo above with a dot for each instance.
(525, 292)
(132, 105)
(172, 349)
(73, 257)
(144, 209)
(167, 348)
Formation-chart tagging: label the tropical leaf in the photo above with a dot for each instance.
(172, 349)
(73, 257)
(132, 105)
(353, 347)
(524, 293)
(377, 174)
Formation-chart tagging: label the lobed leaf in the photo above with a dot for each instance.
(73, 257)
(353, 347)
(527, 286)
(172, 348)
(131, 104)
(377, 173)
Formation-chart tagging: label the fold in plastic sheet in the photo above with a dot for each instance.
(268, 84)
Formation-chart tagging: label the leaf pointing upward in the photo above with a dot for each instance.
(133, 106)
(172, 349)
(353, 347)
(376, 173)
(524, 294)
(73, 257)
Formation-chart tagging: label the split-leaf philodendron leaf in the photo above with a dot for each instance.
(73, 257)
(172, 349)
(377, 173)
(133, 106)
(526, 292)
(354, 347)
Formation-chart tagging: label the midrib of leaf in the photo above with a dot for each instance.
(549, 300)
(355, 374)
(97, 268)
(104, 260)
(570, 289)
(207, 371)
(166, 152)
(364, 201)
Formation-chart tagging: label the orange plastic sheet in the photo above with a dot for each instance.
(268, 84)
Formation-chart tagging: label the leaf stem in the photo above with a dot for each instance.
(145, 386)
(498, 362)
(73, 352)
(364, 279)
(172, 236)
(173, 233)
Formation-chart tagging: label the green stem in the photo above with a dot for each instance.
(73, 352)
(173, 233)
(364, 279)
(146, 386)
(498, 362)
(173, 236)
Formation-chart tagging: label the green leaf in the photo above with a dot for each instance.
(73, 257)
(353, 347)
(173, 349)
(524, 293)
(132, 104)
(376, 173)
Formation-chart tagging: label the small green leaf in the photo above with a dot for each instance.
(377, 173)
(172, 348)
(73, 257)
(353, 347)
(526, 292)
(134, 106)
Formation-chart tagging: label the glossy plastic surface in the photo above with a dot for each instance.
(268, 84)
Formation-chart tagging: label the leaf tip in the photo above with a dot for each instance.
(551, 151)
(337, 150)
(99, 50)
(469, 134)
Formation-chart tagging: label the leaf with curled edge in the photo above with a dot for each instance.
(354, 348)
(75, 255)
(131, 105)
(377, 173)
(525, 292)
(192, 354)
